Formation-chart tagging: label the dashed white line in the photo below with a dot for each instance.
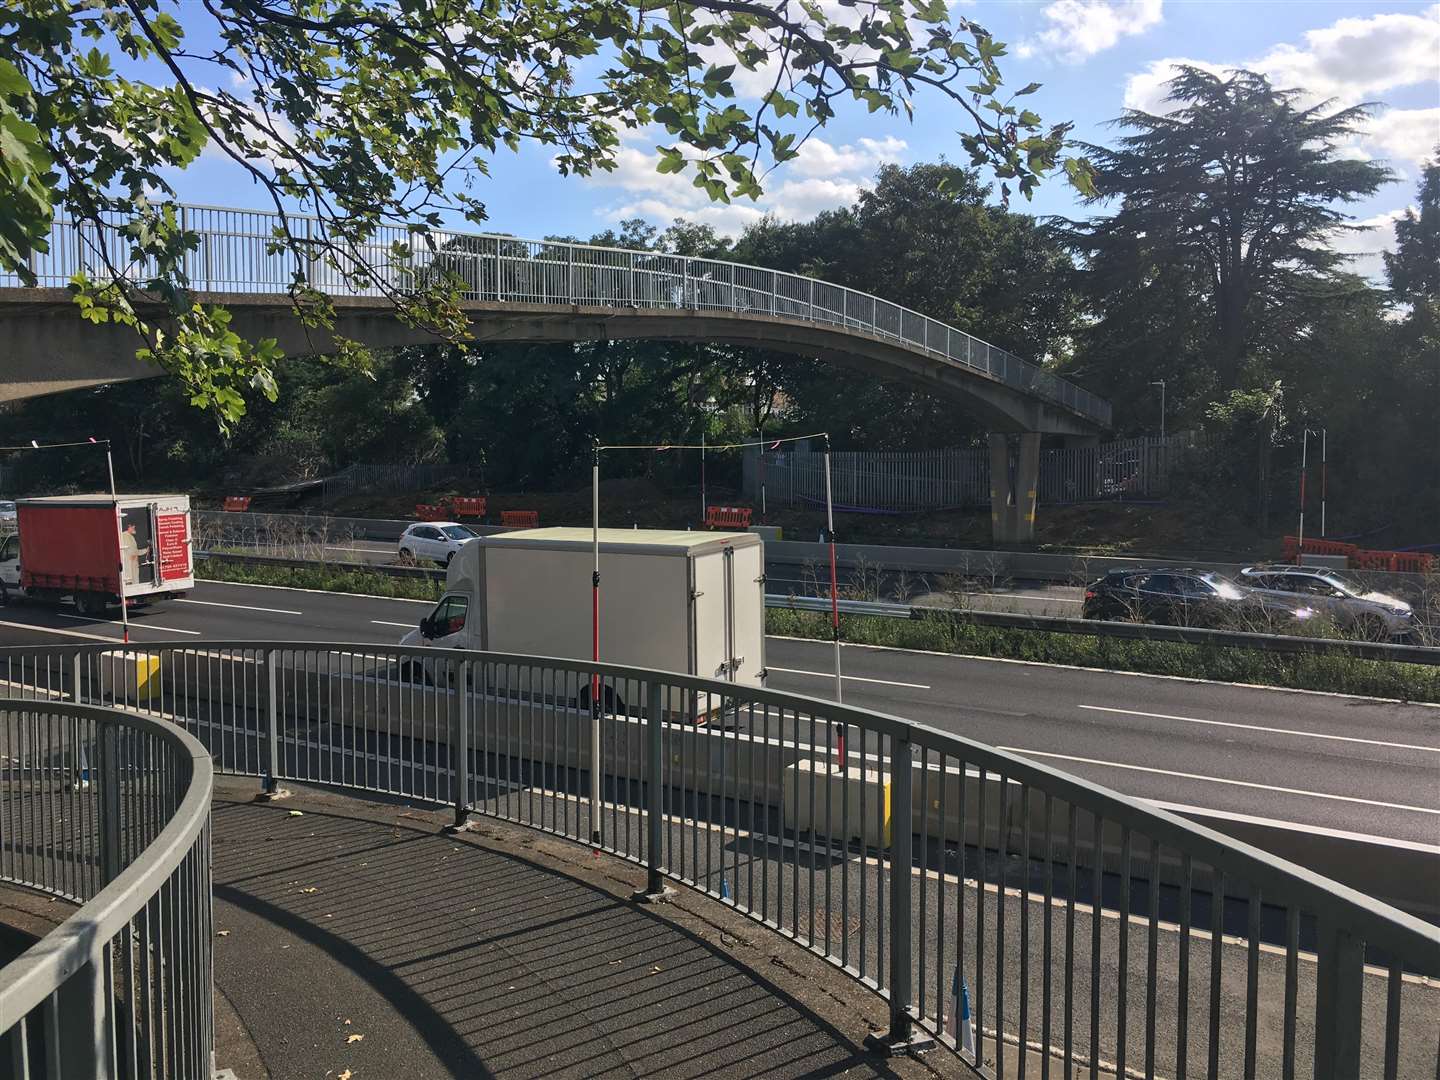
(848, 678)
(1270, 730)
(1222, 780)
(382, 622)
(242, 607)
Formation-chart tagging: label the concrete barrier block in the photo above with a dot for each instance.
(129, 676)
(771, 534)
(827, 786)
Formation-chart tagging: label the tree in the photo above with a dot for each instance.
(366, 114)
(1233, 196)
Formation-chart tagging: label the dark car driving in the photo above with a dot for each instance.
(1187, 597)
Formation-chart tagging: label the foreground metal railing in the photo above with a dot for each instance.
(112, 812)
(1093, 933)
(237, 253)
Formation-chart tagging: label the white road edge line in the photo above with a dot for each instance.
(242, 607)
(382, 622)
(1259, 727)
(58, 630)
(133, 625)
(1221, 780)
(831, 675)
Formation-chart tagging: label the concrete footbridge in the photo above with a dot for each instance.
(517, 290)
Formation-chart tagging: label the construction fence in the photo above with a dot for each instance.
(956, 479)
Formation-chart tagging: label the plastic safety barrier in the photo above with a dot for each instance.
(431, 511)
(728, 517)
(520, 519)
(1411, 562)
(469, 505)
(1313, 546)
(237, 503)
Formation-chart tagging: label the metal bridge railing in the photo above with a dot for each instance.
(1099, 933)
(112, 812)
(237, 253)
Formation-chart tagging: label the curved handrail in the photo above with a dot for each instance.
(788, 296)
(43, 968)
(505, 697)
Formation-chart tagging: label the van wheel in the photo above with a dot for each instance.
(449, 558)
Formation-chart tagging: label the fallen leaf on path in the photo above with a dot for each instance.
(309, 889)
(353, 1038)
(222, 933)
(655, 970)
(296, 813)
(345, 1075)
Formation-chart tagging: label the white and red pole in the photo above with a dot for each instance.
(595, 649)
(115, 506)
(1324, 474)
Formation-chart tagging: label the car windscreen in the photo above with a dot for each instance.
(458, 532)
(1224, 586)
(1344, 584)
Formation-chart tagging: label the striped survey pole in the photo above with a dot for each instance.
(962, 1024)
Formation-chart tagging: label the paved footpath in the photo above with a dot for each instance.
(357, 936)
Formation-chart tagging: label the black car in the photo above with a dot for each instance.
(1187, 597)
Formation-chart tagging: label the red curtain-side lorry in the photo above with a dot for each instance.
(96, 550)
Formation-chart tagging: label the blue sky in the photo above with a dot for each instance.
(1093, 57)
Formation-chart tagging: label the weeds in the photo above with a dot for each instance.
(324, 578)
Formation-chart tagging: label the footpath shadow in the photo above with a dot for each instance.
(453, 960)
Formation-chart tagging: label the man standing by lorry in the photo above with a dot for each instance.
(130, 553)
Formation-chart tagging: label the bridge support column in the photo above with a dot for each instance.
(1014, 475)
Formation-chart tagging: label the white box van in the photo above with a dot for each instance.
(685, 602)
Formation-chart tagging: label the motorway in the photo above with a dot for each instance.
(1317, 761)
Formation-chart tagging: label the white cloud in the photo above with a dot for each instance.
(1081, 28)
(823, 177)
(1350, 61)
(1366, 247)
(1409, 135)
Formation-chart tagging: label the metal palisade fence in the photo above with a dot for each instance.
(111, 812)
(905, 480)
(1091, 933)
(237, 252)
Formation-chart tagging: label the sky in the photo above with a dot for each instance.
(1093, 59)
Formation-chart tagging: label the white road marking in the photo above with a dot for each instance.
(1270, 730)
(242, 607)
(322, 592)
(382, 622)
(133, 625)
(970, 658)
(1296, 826)
(59, 630)
(1221, 780)
(851, 678)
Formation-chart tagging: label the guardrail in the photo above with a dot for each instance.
(1188, 635)
(110, 811)
(1090, 928)
(237, 252)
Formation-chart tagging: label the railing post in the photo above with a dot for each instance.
(1339, 974)
(270, 778)
(81, 1005)
(655, 890)
(903, 1036)
(460, 740)
(110, 854)
(570, 273)
(812, 299)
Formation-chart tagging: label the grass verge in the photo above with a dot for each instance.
(324, 578)
(944, 632)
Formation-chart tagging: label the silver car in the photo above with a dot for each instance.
(1374, 616)
(7, 516)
